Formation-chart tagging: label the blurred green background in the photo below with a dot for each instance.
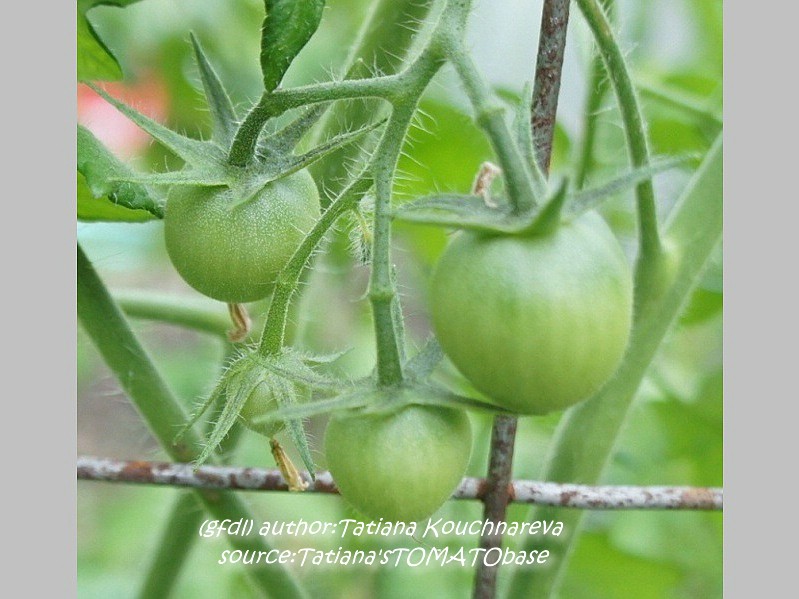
(674, 432)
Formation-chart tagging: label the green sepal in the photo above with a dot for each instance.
(103, 194)
(272, 167)
(287, 27)
(424, 362)
(460, 211)
(211, 177)
(290, 380)
(592, 198)
(197, 153)
(223, 115)
(284, 140)
(548, 219)
(472, 213)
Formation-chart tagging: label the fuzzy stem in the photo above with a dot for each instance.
(649, 234)
(522, 190)
(597, 86)
(382, 287)
(275, 103)
(275, 327)
(390, 30)
(121, 350)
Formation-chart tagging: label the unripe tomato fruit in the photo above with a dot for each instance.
(400, 466)
(538, 322)
(261, 402)
(232, 250)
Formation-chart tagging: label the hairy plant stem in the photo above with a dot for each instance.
(388, 36)
(382, 287)
(127, 359)
(275, 329)
(597, 86)
(648, 231)
(585, 437)
(525, 186)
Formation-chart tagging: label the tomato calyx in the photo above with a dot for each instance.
(473, 212)
(207, 162)
(253, 388)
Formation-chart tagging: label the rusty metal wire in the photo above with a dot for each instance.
(521, 491)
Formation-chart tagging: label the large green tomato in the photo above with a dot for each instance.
(232, 249)
(537, 323)
(400, 466)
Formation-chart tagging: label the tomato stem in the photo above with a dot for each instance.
(597, 19)
(107, 327)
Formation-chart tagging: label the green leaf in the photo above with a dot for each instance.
(95, 60)
(101, 193)
(222, 112)
(288, 26)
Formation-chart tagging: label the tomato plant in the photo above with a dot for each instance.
(532, 298)
(231, 248)
(536, 322)
(401, 465)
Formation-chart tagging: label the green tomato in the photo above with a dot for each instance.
(537, 323)
(231, 249)
(400, 466)
(262, 401)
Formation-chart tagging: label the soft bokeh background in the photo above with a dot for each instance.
(674, 433)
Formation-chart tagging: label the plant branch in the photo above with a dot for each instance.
(649, 234)
(382, 287)
(127, 359)
(286, 285)
(605, 497)
(499, 492)
(522, 190)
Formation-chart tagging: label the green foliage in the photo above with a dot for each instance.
(288, 26)
(416, 167)
(102, 194)
(95, 60)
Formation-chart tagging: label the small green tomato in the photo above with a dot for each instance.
(400, 466)
(261, 402)
(231, 249)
